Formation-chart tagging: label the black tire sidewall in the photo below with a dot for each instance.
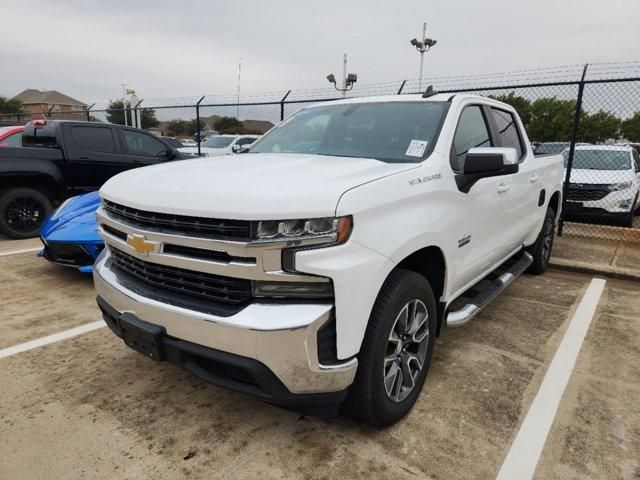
(406, 286)
(9, 196)
(539, 264)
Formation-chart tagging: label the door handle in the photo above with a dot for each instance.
(503, 188)
(534, 178)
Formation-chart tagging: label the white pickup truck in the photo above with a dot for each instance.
(318, 268)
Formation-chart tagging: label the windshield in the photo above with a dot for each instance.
(599, 159)
(217, 142)
(391, 131)
(550, 148)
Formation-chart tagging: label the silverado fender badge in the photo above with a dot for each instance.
(464, 240)
(140, 244)
(428, 178)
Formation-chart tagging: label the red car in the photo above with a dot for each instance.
(11, 136)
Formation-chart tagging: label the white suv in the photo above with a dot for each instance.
(218, 145)
(604, 184)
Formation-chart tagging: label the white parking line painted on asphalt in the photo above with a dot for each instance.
(523, 456)
(16, 252)
(56, 337)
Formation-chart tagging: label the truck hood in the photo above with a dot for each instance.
(253, 186)
(601, 176)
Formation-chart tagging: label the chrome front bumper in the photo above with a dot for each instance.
(282, 337)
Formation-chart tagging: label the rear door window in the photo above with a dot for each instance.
(94, 139)
(507, 130)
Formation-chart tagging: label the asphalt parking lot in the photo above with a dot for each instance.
(88, 407)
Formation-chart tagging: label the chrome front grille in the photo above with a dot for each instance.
(181, 224)
(225, 290)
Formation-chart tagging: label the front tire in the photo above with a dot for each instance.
(541, 249)
(22, 212)
(396, 351)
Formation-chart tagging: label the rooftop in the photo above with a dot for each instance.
(52, 97)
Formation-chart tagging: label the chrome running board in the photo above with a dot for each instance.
(482, 299)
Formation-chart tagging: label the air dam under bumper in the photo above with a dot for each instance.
(275, 345)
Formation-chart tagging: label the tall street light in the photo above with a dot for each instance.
(423, 46)
(347, 80)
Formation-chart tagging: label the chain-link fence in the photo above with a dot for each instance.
(590, 115)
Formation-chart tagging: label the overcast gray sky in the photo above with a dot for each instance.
(169, 48)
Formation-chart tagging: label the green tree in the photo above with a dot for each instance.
(630, 128)
(228, 125)
(177, 127)
(598, 127)
(115, 112)
(193, 126)
(521, 104)
(148, 118)
(551, 120)
(8, 105)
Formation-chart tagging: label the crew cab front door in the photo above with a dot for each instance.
(480, 239)
(141, 148)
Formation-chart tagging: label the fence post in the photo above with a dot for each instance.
(198, 123)
(572, 146)
(88, 114)
(282, 105)
(135, 114)
(401, 87)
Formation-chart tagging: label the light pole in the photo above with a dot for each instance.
(124, 105)
(347, 79)
(423, 46)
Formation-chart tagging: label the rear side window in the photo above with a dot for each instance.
(508, 133)
(95, 139)
(471, 132)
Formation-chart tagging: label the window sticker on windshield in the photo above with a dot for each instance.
(416, 148)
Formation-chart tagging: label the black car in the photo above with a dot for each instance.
(174, 142)
(59, 159)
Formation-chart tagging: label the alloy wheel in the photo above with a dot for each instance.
(547, 240)
(24, 214)
(406, 350)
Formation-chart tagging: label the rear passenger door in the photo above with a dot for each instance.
(92, 155)
(523, 187)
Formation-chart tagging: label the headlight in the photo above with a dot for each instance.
(339, 228)
(292, 289)
(616, 187)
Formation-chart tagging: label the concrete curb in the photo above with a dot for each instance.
(595, 269)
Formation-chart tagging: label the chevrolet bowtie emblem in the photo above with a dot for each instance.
(140, 244)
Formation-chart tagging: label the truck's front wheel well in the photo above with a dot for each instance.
(44, 184)
(430, 263)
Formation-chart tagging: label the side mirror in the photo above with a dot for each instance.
(489, 160)
(169, 154)
(240, 148)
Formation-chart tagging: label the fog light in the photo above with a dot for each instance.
(292, 289)
(625, 204)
